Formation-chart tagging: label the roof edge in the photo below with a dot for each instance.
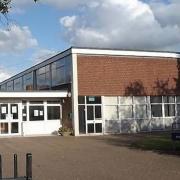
(116, 52)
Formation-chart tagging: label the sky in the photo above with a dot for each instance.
(32, 32)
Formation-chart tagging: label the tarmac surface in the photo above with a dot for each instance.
(86, 158)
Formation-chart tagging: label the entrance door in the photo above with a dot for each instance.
(10, 121)
(94, 119)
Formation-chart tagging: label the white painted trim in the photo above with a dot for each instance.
(74, 90)
(124, 53)
(40, 94)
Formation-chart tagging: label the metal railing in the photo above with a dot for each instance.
(28, 175)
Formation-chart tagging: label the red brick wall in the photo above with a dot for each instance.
(103, 75)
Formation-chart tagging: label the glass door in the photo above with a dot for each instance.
(9, 118)
(94, 119)
(14, 119)
(4, 125)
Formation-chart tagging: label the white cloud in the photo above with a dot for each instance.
(4, 74)
(120, 24)
(167, 13)
(16, 39)
(136, 24)
(41, 55)
(68, 21)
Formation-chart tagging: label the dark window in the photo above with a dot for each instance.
(93, 99)
(156, 110)
(58, 72)
(82, 122)
(53, 112)
(98, 112)
(156, 99)
(3, 111)
(177, 99)
(90, 113)
(4, 87)
(36, 113)
(68, 69)
(169, 99)
(10, 86)
(98, 127)
(24, 112)
(81, 100)
(18, 84)
(28, 81)
(169, 110)
(90, 128)
(178, 109)
(14, 127)
(43, 78)
(14, 111)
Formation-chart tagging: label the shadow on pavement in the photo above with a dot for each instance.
(157, 142)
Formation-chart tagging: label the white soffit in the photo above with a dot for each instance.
(40, 94)
(124, 53)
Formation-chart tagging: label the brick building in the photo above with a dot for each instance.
(100, 91)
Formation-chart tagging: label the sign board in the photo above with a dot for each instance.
(91, 99)
(14, 109)
(3, 110)
(36, 113)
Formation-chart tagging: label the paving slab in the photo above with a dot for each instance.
(86, 158)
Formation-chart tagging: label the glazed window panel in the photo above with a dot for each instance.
(28, 81)
(156, 110)
(18, 84)
(141, 111)
(126, 111)
(139, 99)
(178, 99)
(169, 110)
(90, 113)
(169, 99)
(68, 69)
(156, 99)
(178, 109)
(81, 99)
(126, 100)
(10, 86)
(53, 112)
(111, 113)
(43, 78)
(4, 87)
(108, 100)
(3, 111)
(36, 113)
(58, 76)
(98, 113)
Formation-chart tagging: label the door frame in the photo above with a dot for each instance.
(9, 118)
(94, 120)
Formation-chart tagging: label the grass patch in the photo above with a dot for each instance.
(156, 142)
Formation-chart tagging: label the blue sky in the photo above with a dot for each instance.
(38, 30)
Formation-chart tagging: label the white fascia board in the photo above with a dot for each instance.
(46, 94)
(124, 53)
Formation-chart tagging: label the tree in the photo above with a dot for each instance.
(5, 6)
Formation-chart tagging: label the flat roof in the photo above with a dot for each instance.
(124, 52)
(97, 51)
